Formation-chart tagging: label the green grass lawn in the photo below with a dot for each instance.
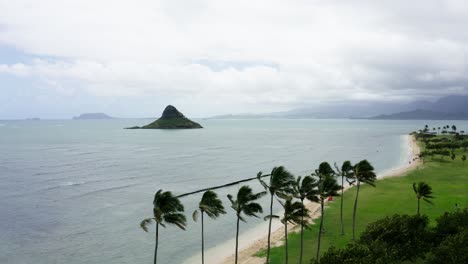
(448, 179)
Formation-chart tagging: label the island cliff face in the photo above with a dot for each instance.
(171, 118)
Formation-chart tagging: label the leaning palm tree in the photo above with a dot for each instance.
(245, 204)
(305, 189)
(167, 209)
(294, 212)
(364, 172)
(213, 207)
(424, 191)
(327, 187)
(346, 172)
(280, 182)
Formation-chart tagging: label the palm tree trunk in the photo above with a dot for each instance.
(237, 238)
(341, 209)
(156, 246)
(355, 208)
(418, 204)
(320, 230)
(286, 240)
(202, 240)
(302, 233)
(269, 230)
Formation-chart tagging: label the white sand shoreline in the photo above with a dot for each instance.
(256, 239)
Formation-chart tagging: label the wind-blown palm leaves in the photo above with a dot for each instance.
(167, 209)
(346, 172)
(294, 212)
(245, 204)
(363, 172)
(422, 191)
(280, 182)
(305, 188)
(212, 206)
(327, 186)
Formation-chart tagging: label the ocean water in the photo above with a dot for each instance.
(75, 191)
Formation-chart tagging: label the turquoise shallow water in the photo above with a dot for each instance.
(75, 191)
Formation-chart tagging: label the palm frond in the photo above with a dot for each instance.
(270, 216)
(177, 219)
(428, 201)
(144, 224)
(195, 215)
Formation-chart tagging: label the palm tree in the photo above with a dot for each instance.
(244, 204)
(346, 171)
(213, 207)
(305, 189)
(438, 130)
(280, 182)
(364, 172)
(327, 186)
(424, 191)
(294, 212)
(167, 209)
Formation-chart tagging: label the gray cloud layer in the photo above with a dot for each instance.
(230, 56)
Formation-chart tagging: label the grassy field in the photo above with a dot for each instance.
(449, 180)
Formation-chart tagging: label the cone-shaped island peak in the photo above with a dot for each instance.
(171, 118)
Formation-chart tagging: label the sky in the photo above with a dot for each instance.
(61, 58)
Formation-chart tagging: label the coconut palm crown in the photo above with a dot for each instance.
(209, 204)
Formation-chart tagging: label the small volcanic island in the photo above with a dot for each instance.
(171, 118)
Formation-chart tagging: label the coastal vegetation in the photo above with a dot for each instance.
(385, 213)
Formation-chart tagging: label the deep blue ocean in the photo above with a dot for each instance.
(75, 191)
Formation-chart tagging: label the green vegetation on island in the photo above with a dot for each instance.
(171, 118)
(389, 227)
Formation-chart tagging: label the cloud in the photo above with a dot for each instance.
(278, 54)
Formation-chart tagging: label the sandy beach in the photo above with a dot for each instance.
(247, 251)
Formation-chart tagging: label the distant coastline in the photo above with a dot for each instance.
(87, 116)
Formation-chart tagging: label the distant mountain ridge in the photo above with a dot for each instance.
(445, 106)
(420, 114)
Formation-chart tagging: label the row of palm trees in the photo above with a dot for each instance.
(290, 192)
(445, 129)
